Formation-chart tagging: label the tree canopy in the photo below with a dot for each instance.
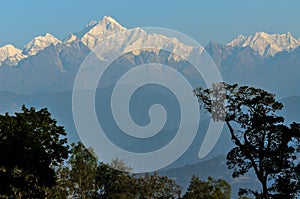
(262, 141)
(84, 177)
(210, 189)
(35, 162)
(31, 145)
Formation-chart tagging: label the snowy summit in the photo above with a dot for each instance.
(10, 55)
(266, 44)
(40, 43)
(100, 29)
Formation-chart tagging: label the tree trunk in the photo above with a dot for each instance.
(265, 194)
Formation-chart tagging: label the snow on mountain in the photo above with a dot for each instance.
(96, 32)
(10, 55)
(99, 30)
(237, 41)
(57, 62)
(139, 38)
(266, 44)
(40, 43)
(128, 41)
(70, 39)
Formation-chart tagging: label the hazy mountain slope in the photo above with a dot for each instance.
(291, 110)
(215, 167)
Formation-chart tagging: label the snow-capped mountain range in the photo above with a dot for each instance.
(263, 43)
(267, 44)
(48, 64)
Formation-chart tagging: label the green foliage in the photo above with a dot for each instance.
(31, 145)
(83, 177)
(263, 142)
(210, 189)
(61, 189)
(155, 186)
(76, 178)
(83, 168)
(114, 183)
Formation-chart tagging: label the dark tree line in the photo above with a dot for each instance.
(36, 162)
(84, 178)
(209, 189)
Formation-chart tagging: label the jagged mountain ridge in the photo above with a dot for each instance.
(263, 43)
(266, 44)
(47, 63)
(96, 32)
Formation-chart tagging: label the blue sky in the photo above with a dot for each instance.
(205, 21)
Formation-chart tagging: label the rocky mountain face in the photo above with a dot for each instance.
(48, 64)
(50, 69)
